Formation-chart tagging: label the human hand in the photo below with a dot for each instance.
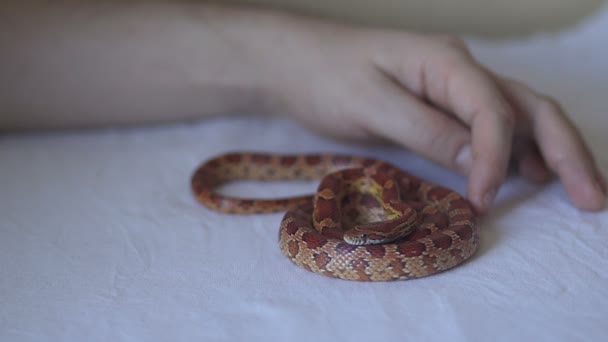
(427, 93)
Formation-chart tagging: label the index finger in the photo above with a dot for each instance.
(472, 95)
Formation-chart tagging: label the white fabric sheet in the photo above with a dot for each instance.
(101, 240)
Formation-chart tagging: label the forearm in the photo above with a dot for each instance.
(84, 63)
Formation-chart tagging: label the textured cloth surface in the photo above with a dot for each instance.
(101, 240)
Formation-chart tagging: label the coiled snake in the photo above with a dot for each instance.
(368, 221)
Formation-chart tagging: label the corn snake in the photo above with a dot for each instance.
(438, 228)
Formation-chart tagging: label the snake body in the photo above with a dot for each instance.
(368, 221)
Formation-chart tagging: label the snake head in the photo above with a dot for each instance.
(356, 239)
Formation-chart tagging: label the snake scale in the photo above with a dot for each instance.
(368, 221)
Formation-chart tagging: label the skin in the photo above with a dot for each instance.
(90, 63)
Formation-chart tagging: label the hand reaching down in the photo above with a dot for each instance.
(428, 94)
(88, 63)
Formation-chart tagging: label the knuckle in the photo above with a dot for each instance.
(452, 41)
(452, 60)
(548, 105)
(499, 113)
(452, 46)
(447, 54)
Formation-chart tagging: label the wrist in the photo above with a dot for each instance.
(240, 51)
(268, 52)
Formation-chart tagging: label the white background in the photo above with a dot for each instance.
(100, 238)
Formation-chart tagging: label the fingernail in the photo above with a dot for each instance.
(594, 185)
(585, 187)
(464, 158)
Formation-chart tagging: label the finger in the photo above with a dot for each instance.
(458, 84)
(561, 146)
(404, 119)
